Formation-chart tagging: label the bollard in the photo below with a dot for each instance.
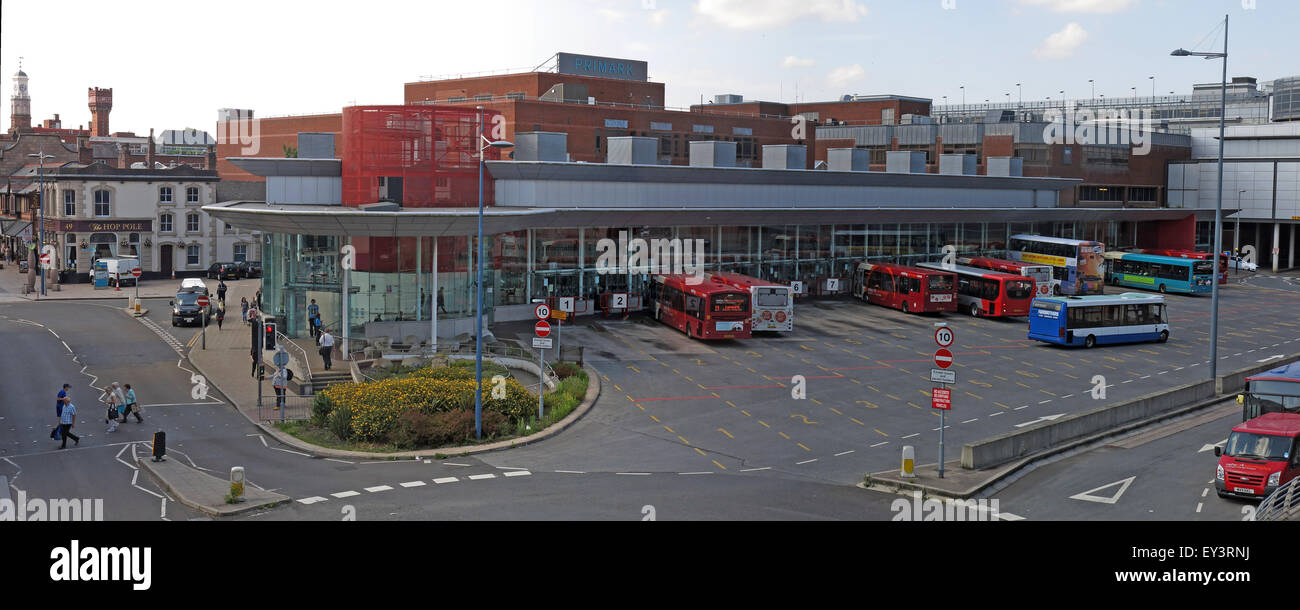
(237, 483)
(159, 445)
(909, 462)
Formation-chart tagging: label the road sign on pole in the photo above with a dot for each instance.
(566, 304)
(943, 358)
(542, 312)
(941, 398)
(541, 343)
(942, 376)
(543, 328)
(944, 336)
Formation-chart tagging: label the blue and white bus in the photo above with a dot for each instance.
(1090, 320)
(1161, 273)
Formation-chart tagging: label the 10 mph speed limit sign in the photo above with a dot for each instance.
(944, 336)
(543, 312)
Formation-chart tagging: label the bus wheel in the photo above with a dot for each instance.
(974, 310)
(1162, 289)
(905, 307)
(1090, 342)
(1164, 336)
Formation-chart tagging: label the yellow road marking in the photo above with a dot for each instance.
(746, 413)
(701, 452)
(670, 430)
(617, 388)
(1002, 378)
(981, 383)
(879, 432)
(1027, 374)
(819, 403)
(805, 447)
(1047, 393)
(634, 368)
(1023, 385)
(1070, 376)
(677, 371)
(927, 393)
(806, 348)
(1001, 405)
(629, 397)
(684, 441)
(974, 395)
(784, 435)
(731, 404)
(870, 405)
(855, 381)
(914, 405)
(872, 388)
(855, 420)
(719, 465)
(726, 433)
(655, 418)
(836, 411)
(688, 379)
(765, 424)
(640, 407)
(892, 396)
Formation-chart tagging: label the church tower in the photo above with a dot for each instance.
(20, 103)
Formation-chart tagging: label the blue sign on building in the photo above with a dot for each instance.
(603, 67)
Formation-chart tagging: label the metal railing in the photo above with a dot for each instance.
(282, 339)
(1282, 505)
(296, 408)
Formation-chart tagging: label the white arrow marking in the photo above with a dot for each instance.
(1271, 358)
(1041, 420)
(1088, 496)
(1205, 448)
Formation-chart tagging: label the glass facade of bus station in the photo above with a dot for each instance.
(393, 277)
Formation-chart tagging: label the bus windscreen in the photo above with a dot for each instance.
(1020, 289)
(771, 297)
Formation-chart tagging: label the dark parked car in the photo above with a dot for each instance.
(223, 271)
(186, 310)
(250, 269)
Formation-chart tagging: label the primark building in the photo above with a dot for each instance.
(377, 223)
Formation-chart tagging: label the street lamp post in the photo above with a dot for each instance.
(40, 230)
(1218, 205)
(483, 144)
(1094, 88)
(1236, 232)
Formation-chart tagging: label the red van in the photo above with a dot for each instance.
(1260, 455)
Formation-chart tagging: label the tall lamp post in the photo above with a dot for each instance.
(1236, 232)
(1218, 205)
(40, 179)
(483, 144)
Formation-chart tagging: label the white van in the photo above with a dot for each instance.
(119, 270)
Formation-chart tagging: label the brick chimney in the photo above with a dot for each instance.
(149, 152)
(123, 156)
(212, 156)
(101, 103)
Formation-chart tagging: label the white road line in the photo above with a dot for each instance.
(1198, 504)
(844, 452)
(912, 434)
(1067, 396)
(378, 488)
(413, 484)
(1144, 377)
(510, 468)
(634, 474)
(262, 438)
(339, 461)
(163, 509)
(346, 494)
(1041, 402)
(1162, 372)
(887, 442)
(479, 477)
(571, 471)
(693, 473)
(805, 462)
(755, 469)
(446, 480)
(1127, 381)
(518, 473)
(293, 452)
(454, 464)
(1205, 491)
(995, 414)
(971, 420)
(311, 500)
(65, 346)
(1020, 407)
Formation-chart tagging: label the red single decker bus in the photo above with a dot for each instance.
(771, 303)
(707, 310)
(1193, 254)
(1041, 274)
(982, 292)
(911, 289)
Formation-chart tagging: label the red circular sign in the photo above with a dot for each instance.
(944, 336)
(137, 272)
(943, 358)
(45, 259)
(203, 301)
(543, 328)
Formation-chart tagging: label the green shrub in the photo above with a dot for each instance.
(575, 386)
(564, 370)
(340, 421)
(320, 410)
(490, 368)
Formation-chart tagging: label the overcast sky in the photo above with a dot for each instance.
(173, 64)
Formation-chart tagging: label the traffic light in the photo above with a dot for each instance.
(269, 331)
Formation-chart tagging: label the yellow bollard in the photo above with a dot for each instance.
(909, 462)
(237, 483)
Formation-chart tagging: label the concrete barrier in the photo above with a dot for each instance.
(1022, 443)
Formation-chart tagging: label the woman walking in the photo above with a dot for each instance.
(221, 313)
(115, 402)
(243, 310)
(131, 405)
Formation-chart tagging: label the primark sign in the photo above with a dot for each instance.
(601, 67)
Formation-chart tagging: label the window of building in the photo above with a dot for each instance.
(1067, 156)
(192, 256)
(456, 98)
(165, 223)
(515, 95)
(229, 228)
(241, 253)
(484, 97)
(134, 238)
(702, 128)
(192, 195)
(1033, 153)
(616, 123)
(165, 194)
(1144, 194)
(657, 126)
(103, 203)
(887, 116)
(191, 223)
(878, 156)
(69, 203)
(1101, 193)
(742, 131)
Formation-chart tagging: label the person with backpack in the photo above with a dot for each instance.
(280, 381)
(221, 291)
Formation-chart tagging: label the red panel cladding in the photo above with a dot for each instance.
(429, 151)
(1176, 234)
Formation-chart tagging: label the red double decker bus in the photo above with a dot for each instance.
(982, 292)
(1192, 254)
(1040, 274)
(708, 310)
(771, 303)
(911, 289)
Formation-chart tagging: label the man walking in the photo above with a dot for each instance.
(441, 301)
(279, 381)
(59, 403)
(221, 290)
(131, 405)
(326, 341)
(313, 317)
(68, 419)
